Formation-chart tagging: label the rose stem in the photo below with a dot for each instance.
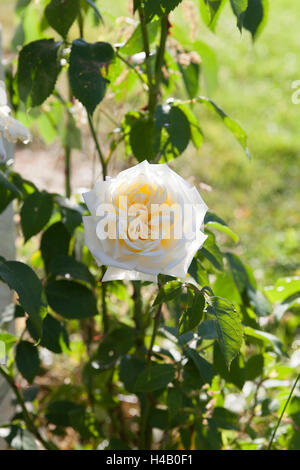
(27, 418)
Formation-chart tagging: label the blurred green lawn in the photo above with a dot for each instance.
(260, 198)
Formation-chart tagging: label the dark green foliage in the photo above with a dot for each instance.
(71, 299)
(55, 242)
(117, 343)
(154, 377)
(54, 334)
(66, 266)
(27, 360)
(228, 327)
(21, 278)
(88, 63)
(38, 69)
(193, 315)
(35, 213)
(61, 14)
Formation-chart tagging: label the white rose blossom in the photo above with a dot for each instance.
(10, 128)
(153, 219)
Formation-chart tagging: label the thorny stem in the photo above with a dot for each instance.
(282, 413)
(27, 418)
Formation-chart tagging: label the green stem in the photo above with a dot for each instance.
(27, 418)
(146, 428)
(80, 24)
(67, 171)
(133, 68)
(146, 50)
(282, 413)
(154, 332)
(160, 54)
(99, 151)
(104, 306)
(137, 315)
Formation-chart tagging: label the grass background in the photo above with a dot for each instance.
(260, 198)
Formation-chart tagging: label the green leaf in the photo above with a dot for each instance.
(8, 191)
(143, 139)
(61, 14)
(87, 80)
(198, 272)
(237, 373)
(25, 282)
(254, 367)
(71, 299)
(211, 251)
(207, 330)
(225, 419)
(135, 43)
(18, 438)
(174, 402)
(154, 377)
(193, 315)
(224, 229)
(283, 288)
(228, 326)
(255, 16)
(259, 302)
(68, 267)
(196, 132)
(239, 272)
(130, 368)
(174, 131)
(232, 125)
(224, 286)
(38, 69)
(71, 218)
(55, 242)
(239, 8)
(116, 343)
(35, 213)
(210, 11)
(8, 341)
(159, 8)
(265, 338)
(190, 75)
(54, 334)
(204, 367)
(59, 412)
(27, 360)
(6, 183)
(289, 304)
(168, 292)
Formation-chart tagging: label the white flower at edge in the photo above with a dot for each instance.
(143, 258)
(10, 128)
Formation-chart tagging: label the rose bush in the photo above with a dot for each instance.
(163, 214)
